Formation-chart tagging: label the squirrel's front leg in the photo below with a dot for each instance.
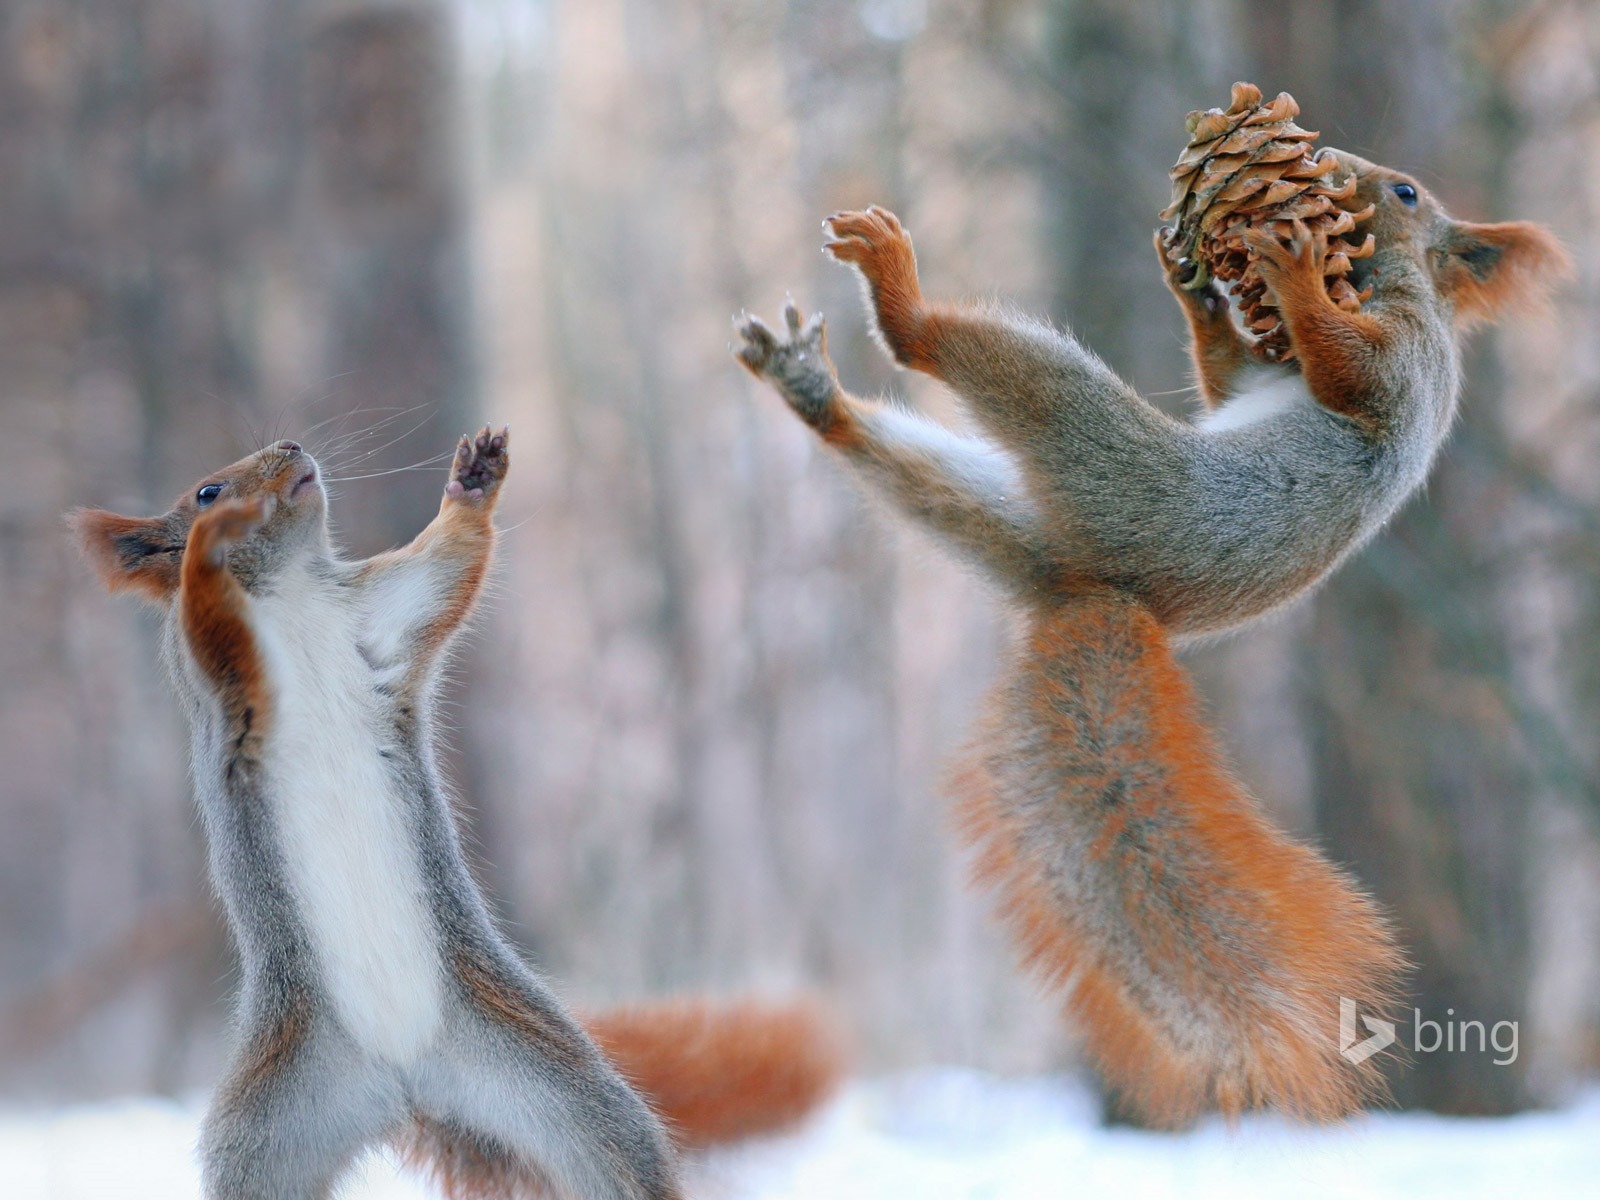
(462, 535)
(962, 488)
(422, 593)
(877, 245)
(214, 612)
(1217, 345)
(1034, 389)
(1339, 352)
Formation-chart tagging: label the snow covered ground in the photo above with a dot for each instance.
(933, 1135)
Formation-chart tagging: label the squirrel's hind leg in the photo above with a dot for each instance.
(299, 1105)
(1035, 389)
(964, 490)
(519, 1095)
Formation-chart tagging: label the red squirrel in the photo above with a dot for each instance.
(379, 1002)
(1203, 952)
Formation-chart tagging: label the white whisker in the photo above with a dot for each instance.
(432, 460)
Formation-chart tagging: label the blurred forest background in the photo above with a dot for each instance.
(700, 733)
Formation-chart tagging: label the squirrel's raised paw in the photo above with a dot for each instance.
(227, 523)
(1289, 254)
(879, 248)
(797, 365)
(875, 243)
(764, 352)
(1187, 278)
(480, 464)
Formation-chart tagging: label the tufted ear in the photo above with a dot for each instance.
(130, 554)
(1489, 271)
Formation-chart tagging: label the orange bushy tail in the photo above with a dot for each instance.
(713, 1072)
(1202, 951)
(718, 1072)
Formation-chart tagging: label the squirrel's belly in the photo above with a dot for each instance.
(352, 863)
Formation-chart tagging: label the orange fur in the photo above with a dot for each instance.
(1202, 952)
(463, 1167)
(717, 1073)
(876, 243)
(842, 429)
(213, 609)
(1339, 353)
(270, 1050)
(465, 533)
(1217, 347)
(1217, 350)
(462, 534)
(469, 532)
(713, 1072)
(143, 555)
(138, 555)
(1491, 270)
(508, 1009)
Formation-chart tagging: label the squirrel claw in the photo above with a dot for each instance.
(793, 319)
(846, 250)
(1287, 248)
(480, 464)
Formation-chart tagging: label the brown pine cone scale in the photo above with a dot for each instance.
(1250, 165)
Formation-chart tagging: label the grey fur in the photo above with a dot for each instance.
(533, 1092)
(1208, 529)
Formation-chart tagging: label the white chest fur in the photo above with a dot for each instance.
(1265, 392)
(351, 862)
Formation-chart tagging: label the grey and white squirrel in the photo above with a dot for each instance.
(379, 1001)
(1202, 951)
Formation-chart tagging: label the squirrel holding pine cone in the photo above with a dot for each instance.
(1203, 952)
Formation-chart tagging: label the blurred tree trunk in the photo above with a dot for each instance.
(719, 741)
(1420, 779)
(1123, 72)
(127, 366)
(379, 240)
(158, 232)
(1540, 60)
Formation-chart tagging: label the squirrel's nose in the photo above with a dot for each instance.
(289, 447)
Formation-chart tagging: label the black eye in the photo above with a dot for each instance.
(207, 494)
(1407, 194)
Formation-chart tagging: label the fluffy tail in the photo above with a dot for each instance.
(713, 1072)
(1203, 952)
(718, 1072)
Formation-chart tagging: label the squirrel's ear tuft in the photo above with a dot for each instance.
(130, 554)
(1489, 271)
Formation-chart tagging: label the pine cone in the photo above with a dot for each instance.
(1248, 166)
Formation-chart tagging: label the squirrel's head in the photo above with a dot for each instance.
(1483, 271)
(142, 554)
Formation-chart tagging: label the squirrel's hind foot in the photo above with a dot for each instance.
(797, 365)
(878, 246)
(875, 241)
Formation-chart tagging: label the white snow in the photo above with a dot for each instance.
(941, 1134)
